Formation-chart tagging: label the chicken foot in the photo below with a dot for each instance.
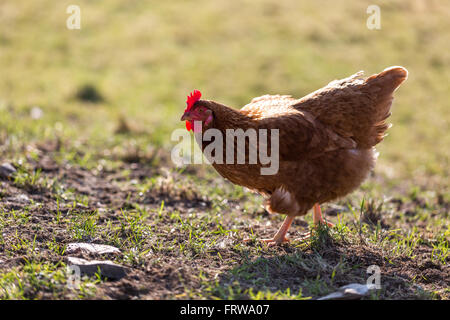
(318, 220)
(280, 236)
(317, 216)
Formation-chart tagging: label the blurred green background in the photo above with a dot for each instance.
(141, 58)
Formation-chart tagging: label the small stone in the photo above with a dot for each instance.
(107, 268)
(36, 113)
(20, 198)
(6, 170)
(91, 248)
(351, 291)
(221, 245)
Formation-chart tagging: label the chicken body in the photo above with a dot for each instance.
(326, 140)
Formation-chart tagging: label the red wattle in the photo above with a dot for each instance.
(188, 125)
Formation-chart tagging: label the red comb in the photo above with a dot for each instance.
(192, 98)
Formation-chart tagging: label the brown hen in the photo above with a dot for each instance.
(326, 141)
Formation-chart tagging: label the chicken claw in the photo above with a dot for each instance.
(280, 236)
(270, 241)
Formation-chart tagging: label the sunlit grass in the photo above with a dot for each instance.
(140, 60)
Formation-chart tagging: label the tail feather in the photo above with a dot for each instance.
(354, 107)
(383, 85)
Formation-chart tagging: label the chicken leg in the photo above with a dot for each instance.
(317, 217)
(280, 236)
(318, 220)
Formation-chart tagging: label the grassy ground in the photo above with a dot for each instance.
(95, 165)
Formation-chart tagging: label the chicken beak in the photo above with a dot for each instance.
(186, 116)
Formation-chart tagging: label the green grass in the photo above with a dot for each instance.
(96, 166)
